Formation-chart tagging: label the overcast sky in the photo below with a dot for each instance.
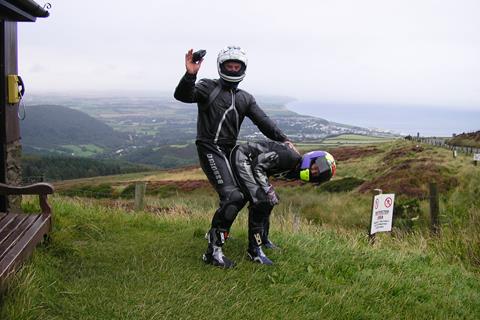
(416, 52)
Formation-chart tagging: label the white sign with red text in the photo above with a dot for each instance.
(382, 213)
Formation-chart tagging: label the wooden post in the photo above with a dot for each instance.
(371, 237)
(9, 124)
(296, 223)
(140, 188)
(434, 209)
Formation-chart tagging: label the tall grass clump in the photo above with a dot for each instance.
(460, 217)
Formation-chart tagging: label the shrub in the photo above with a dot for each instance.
(405, 212)
(128, 192)
(164, 191)
(342, 185)
(99, 191)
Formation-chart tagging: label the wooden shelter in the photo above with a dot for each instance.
(19, 232)
(11, 12)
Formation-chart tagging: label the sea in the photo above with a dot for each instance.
(404, 120)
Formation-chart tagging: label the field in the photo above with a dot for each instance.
(106, 261)
(83, 150)
(344, 140)
(350, 139)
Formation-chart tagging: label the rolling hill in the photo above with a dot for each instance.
(469, 139)
(50, 127)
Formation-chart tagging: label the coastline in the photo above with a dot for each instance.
(404, 120)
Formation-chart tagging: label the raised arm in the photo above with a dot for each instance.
(186, 90)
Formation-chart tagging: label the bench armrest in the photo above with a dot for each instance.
(42, 189)
(36, 188)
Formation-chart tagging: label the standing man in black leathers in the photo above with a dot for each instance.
(253, 163)
(222, 106)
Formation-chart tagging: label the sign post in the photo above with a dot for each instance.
(476, 158)
(382, 214)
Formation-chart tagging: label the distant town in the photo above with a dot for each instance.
(157, 121)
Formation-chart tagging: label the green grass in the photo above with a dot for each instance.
(353, 139)
(105, 179)
(87, 150)
(344, 140)
(107, 264)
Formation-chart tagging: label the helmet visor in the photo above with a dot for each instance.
(322, 168)
(233, 68)
(322, 164)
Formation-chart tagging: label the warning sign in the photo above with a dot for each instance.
(382, 213)
(476, 157)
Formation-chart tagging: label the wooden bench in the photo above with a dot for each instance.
(20, 233)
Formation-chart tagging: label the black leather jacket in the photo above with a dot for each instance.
(220, 122)
(254, 162)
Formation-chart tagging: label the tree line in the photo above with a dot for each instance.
(50, 168)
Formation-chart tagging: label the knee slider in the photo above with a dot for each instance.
(233, 205)
(236, 197)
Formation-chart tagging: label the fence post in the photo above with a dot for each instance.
(434, 209)
(139, 195)
(296, 223)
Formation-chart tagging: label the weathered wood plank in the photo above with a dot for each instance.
(17, 234)
(6, 221)
(9, 229)
(25, 246)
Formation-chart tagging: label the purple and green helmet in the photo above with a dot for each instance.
(324, 161)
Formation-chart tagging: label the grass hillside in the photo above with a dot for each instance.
(105, 261)
(471, 139)
(50, 127)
